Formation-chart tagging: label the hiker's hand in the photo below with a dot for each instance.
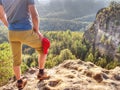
(40, 35)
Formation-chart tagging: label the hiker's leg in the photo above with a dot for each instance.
(41, 60)
(17, 72)
(16, 51)
(32, 39)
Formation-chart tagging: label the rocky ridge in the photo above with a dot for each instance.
(72, 75)
(104, 33)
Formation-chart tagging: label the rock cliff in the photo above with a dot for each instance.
(72, 75)
(104, 33)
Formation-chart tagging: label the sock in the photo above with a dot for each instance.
(41, 71)
(19, 81)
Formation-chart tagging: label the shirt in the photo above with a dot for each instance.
(18, 15)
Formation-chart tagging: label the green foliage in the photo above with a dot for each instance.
(117, 22)
(24, 67)
(30, 60)
(3, 34)
(5, 63)
(101, 62)
(66, 54)
(102, 40)
(90, 58)
(118, 50)
(51, 63)
(112, 64)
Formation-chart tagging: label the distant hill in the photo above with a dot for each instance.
(57, 12)
(87, 18)
(62, 24)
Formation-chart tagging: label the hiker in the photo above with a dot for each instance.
(22, 19)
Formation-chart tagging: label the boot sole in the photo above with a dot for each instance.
(41, 79)
(23, 86)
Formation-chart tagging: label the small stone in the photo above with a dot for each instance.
(117, 77)
(70, 76)
(54, 83)
(98, 77)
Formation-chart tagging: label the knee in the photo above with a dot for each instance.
(45, 45)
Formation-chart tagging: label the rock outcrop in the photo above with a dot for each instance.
(72, 75)
(104, 34)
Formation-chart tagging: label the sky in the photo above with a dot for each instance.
(44, 1)
(106, 1)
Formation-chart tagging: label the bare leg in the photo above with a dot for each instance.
(41, 60)
(17, 72)
(20, 82)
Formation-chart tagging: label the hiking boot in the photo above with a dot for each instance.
(43, 76)
(21, 83)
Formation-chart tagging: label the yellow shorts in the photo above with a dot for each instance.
(17, 38)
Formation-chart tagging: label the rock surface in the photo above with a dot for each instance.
(72, 75)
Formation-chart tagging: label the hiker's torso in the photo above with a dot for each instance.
(17, 14)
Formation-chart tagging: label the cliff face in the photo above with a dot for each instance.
(104, 34)
(72, 75)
